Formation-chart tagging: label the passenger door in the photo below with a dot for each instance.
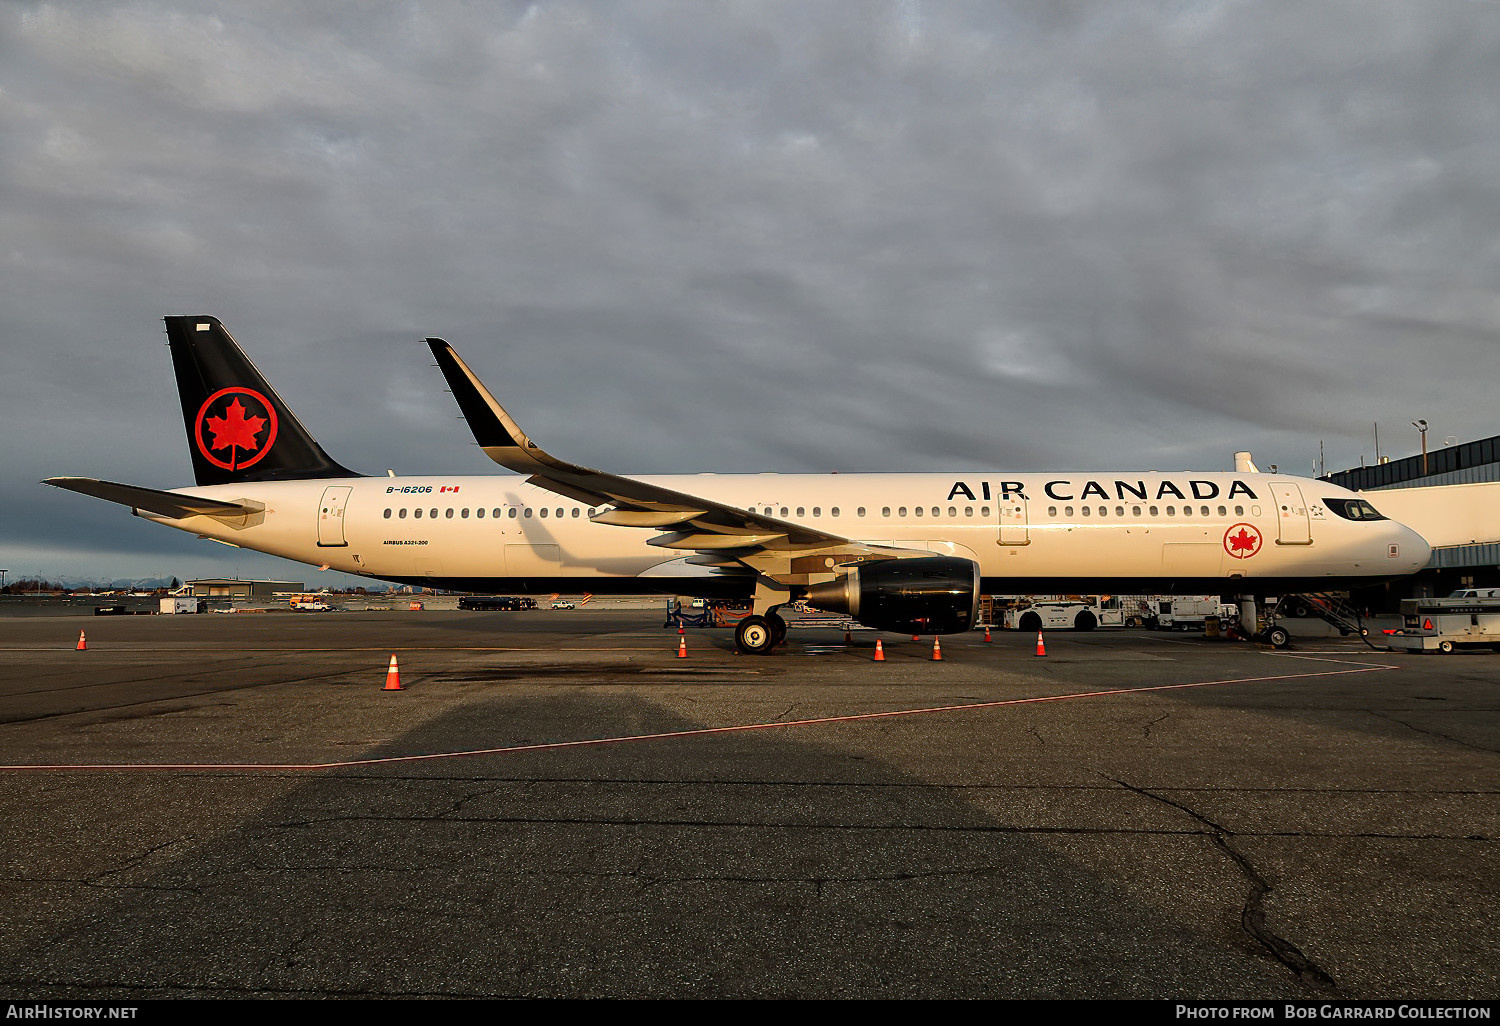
(331, 516)
(1293, 527)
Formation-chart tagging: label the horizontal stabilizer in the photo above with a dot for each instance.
(164, 504)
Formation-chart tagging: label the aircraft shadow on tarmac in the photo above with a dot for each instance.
(796, 862)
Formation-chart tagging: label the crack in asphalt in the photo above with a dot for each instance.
(1253, 915)
(1432, 733)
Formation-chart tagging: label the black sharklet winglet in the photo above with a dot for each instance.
(238, 428)
(173, 505)
(503, 441)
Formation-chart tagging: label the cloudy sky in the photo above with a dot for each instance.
(797, 236)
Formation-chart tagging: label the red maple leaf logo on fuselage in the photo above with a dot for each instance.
(1242, 541)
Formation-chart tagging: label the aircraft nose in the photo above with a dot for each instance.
(1415, 552)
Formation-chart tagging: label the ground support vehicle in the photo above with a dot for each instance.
(1058, 614)
(1446, 624)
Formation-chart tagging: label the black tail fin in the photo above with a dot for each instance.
(238, 428)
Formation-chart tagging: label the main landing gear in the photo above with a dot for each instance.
(757, 635)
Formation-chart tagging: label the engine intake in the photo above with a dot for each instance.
(920, 595)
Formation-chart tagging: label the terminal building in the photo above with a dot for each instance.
(1452, 566)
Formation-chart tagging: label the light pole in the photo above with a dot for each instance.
(1421, 426)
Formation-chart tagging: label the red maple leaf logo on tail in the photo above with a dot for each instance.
(235, 429)
(247, 434)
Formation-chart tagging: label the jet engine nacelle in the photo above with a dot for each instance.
(921, 595)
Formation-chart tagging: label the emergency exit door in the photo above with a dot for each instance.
(331, 516)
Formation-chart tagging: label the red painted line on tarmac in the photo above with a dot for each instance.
(696, 732)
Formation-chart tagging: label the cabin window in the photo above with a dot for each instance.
(1052, 511)
(1223, 512)
(1171, 511)
(802, 511)
(901, 511)
(434, 514)
(1083, 510)
(543, 511)
(449, 514)
(417, 513)
(817, 511)
(1153, 511)
(834, 512)
(512, 512)
(784, 511)
(1203, 510)
(984, 511)
(1104, 511)
(1067, 511)
(1135, 511)
(388, 513)
(1239, 511)
(575, 512)
(968, 511)
(1119, 511)
(916, 510)
(1255, 510)
(885, 511)
(401, 515)
(936, 512)
(526, 512)
(464, 512)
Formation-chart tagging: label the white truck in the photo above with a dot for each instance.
(1185, 612)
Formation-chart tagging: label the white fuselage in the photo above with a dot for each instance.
(1038, 532)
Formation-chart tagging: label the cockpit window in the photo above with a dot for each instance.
(1353, 509)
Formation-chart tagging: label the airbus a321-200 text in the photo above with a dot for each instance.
(909, 553)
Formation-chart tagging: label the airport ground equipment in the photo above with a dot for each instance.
(1446, 624)
(1053, 614)
(1326, 606)
(496, 603)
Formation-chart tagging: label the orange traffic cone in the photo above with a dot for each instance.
(879, 651)
(682, 648)
(1041, 649)
(81, 643)
(937, 650)
(986, 632)
(680, 630)
(915, 637)
(392, 676)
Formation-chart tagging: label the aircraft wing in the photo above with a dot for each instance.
(689, 521)
(172, 505)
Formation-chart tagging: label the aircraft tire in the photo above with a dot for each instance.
(754, 635)
(778, 629)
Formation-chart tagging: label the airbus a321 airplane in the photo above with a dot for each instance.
(900, 552)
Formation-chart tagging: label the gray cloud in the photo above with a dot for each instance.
(747, 236)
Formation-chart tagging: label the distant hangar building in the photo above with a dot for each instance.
(234, 588)
(1451, 566)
